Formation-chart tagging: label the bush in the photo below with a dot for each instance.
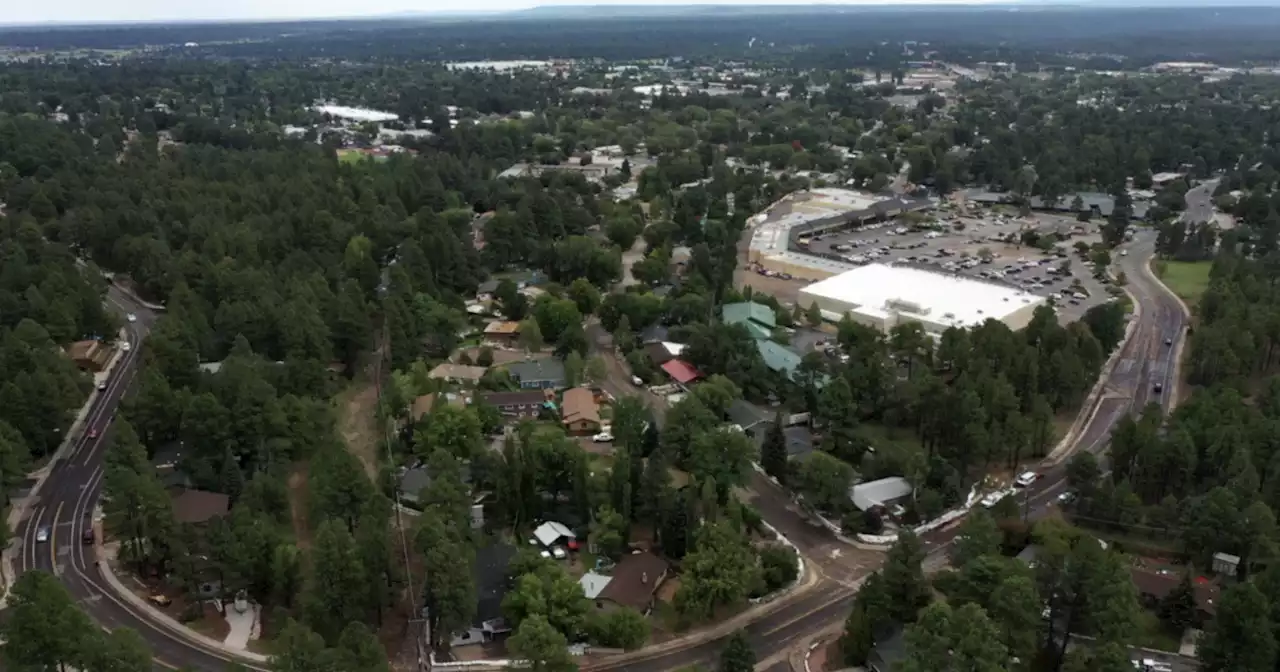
(779, 566)
(485, 357)
(618, 628)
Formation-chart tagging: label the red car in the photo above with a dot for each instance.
(93, 433)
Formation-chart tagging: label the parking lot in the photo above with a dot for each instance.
(987, 246)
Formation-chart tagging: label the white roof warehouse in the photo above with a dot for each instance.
(883, 296)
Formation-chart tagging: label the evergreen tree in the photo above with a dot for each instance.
(773, 452)
(737, 655)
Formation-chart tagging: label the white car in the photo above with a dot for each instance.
(992, 499)
(42, 535)
(126, 346)
(131, 317)
(1026, 478)
(559, 553)
(602, 437)
(635, 380)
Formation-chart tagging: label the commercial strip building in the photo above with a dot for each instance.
(804, 213)
(883, 297)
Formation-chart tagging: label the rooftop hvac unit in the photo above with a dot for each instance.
(904, 306)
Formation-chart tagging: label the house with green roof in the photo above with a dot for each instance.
(756, 317)
(778, 358)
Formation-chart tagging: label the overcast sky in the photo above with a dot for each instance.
(76, 11)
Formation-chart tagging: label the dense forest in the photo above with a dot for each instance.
(294, 277)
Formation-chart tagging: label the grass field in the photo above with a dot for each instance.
(1187, 279)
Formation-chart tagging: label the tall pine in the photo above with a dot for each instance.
(773, 454)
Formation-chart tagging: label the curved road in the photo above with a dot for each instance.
(66, 501)
(65, 506)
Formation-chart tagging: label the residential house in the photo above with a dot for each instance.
(1154, 584)
(889, 652)
(502, 332)
(633, 582)
(412, 483)
(593, 584)
(779, 358)
(90, 355)
(579, 412)
(458, 373)
(546, 373)
(756, 317)
(197, 507)
(427, 402)
(751, 418)
(681, 371)
(552, 533)
(653, 334)
(491, 586)
(486, 290)
(167, 463)
(874, 494)
(514, 406)
(662, 352)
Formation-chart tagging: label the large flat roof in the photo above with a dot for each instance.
(773, 226)
(877, 289)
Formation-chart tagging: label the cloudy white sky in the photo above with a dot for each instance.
(76, 11)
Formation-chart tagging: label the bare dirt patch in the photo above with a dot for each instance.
(298, 497)
(358, 423)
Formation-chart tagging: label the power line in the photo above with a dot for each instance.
(415, 615)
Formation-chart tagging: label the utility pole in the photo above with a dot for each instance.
(417, 616)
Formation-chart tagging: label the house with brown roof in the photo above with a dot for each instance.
(1154, 584)
(515, 406)
(579, 411)
(197, 507)
(502, 332)
(634, 582)
(90, 355)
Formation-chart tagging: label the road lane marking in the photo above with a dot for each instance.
(53, 540)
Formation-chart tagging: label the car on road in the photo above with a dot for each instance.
(160, 600)
(131, 317)
(1158, 388)
(1066, 497)
(93, 433)
(42, 535)
(1026, 478)
(993, 498)
(86, 537)
(602, 437)
(1168, 341)
(126, 346)
(635, 380)
(102, 387)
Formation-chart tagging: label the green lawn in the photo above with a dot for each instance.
(1187, 279)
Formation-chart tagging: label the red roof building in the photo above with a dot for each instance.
(683, 372)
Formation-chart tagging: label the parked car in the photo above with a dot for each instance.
(126, 346)
(102, 387)
(1026, 478)
(635, 380)
(602, 437)
(132, 318)
(87, 537)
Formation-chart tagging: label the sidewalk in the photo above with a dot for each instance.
(20, 508)
(148, 612)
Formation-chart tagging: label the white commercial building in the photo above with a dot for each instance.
(883, 297)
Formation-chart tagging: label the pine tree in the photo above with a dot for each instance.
(737, 655)
(1178, 608)
(773, 454)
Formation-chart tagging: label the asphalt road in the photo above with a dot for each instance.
(1200, 203)
(65, 507)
